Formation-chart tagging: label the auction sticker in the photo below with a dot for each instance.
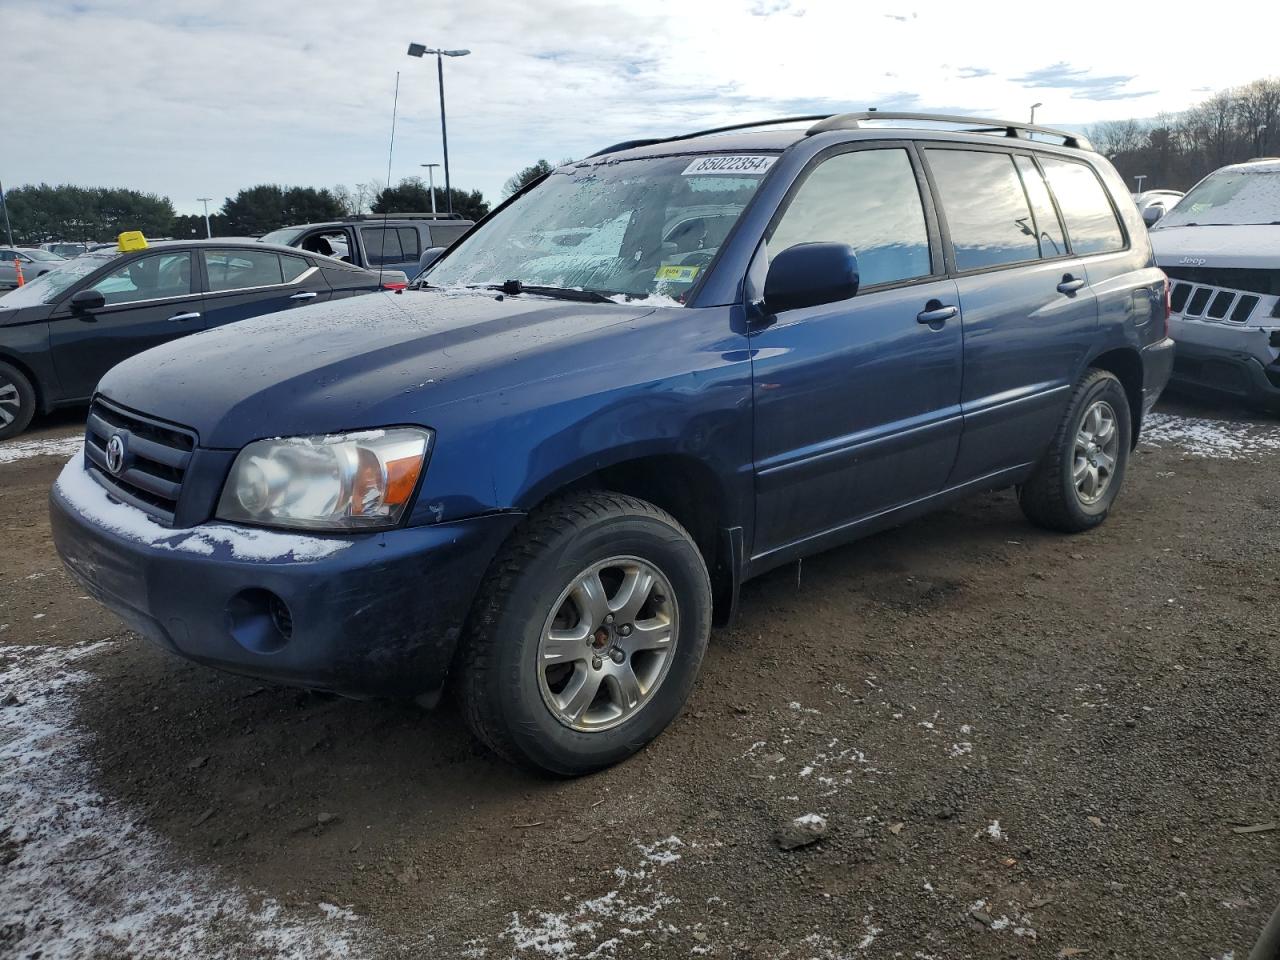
(722, 163)
(676, 273)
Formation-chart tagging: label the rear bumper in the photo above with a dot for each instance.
(381, 616)
(1157, 366)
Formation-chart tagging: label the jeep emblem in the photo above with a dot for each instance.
(1193, 261)
(115, 453)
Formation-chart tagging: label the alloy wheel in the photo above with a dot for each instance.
(1097, 449)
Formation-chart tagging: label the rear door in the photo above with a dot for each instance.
(149, 300)
(1029, 315)
(857, 403)
(392, 248)
(243, 283)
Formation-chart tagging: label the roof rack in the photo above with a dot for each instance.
(823, 122)
(405, 216)
(1007, 128)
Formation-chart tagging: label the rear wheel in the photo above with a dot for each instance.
(587, 635)
(1074, 486)
(17, 402)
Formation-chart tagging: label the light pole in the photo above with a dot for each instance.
(431, 180)
(1033, 111)
(418, 50)
(1140, 177)
(208, 230)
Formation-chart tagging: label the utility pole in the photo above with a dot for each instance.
(8, 230)
(418, 50)
(208, 230)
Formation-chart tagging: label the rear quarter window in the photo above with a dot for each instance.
(1091, 220)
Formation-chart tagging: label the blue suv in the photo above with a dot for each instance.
(539, 477)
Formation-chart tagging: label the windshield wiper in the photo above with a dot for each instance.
(514, 287)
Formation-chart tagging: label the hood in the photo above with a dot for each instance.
(1252, 246)
(368, 361)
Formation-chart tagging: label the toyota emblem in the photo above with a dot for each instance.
(115, 453)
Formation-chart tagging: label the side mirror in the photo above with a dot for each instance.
(1153, 213)
(430, 256)
(810, 274)
(87, 300)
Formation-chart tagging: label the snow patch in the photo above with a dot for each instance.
(88, 879)
(91, 501)
(22, 449)
(1214, 439)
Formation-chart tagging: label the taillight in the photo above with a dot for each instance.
(397, 286)
(1168, 304)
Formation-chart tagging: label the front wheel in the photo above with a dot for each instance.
(587, 635)
(17, 402)
(1073, 488)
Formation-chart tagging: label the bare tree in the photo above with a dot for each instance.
(1258, 109)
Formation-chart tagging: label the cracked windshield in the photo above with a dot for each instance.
(639, 228)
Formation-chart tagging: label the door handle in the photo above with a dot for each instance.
(305, 295)
(935, 314)
(1070, 284)
(183, 317)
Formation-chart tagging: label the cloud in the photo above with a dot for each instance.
(1087, 86)
(969, 73)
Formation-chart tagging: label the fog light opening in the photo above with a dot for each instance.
(259, 621)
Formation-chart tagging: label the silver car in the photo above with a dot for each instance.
(34, 262)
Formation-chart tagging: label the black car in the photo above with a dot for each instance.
(62, 331)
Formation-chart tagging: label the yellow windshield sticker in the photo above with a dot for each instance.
(676, 273)
(131, 240)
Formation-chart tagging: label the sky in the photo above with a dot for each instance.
(194, 98)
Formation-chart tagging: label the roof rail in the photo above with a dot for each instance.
(1008, 128)
(405, 216)
(632, 144)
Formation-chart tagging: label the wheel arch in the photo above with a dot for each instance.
(1126, 364)
(37, 385)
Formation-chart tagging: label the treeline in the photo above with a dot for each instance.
(42, 212)
(1175, 150)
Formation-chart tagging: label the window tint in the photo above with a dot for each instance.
(293, 267)
(1048, 227)
(382, 245)
(868, 199)
(444, 235)
(1091, 223)
(238, 269)
(148, 278)
(8, 256)
(409, 243)
(986, 208)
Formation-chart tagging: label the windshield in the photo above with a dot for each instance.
(47, 287)
(635, 228)
(43, 255)
(1235, 197)
(286, 236)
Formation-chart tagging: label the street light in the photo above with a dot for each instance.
(431, 180)
(1033, 111)
(1140, 177)
(208, 230)
(418, 50)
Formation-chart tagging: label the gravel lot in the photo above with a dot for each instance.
(1023, 745)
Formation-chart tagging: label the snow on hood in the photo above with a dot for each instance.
(87, 497)
(1253, 246)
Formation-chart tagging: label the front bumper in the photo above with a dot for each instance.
(379, 617)
(1230, 361)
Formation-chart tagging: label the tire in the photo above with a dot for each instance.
(1057, 496)
(521, 693)
(17, 401)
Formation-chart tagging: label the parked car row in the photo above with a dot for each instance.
(67, 327)
(33, 261)
(655, 373)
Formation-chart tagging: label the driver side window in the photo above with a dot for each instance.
(147, 278)
(868, 199)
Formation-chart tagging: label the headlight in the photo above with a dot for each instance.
(346, 481)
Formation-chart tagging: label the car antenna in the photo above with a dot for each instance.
(395, 103)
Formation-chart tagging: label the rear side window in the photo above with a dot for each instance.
(241, 269)
(1048, 227)
(987, 213)
(382, 245)
(870, 200)
(293, 268)
(409, 245)
(1091, 221)
(445, 235)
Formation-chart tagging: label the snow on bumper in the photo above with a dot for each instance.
(368, 614)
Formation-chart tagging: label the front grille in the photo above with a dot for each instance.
(1212, 303)
(155, 460)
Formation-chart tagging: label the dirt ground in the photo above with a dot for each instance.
(1024, 745)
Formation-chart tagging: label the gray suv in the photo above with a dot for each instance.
(400, 241)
